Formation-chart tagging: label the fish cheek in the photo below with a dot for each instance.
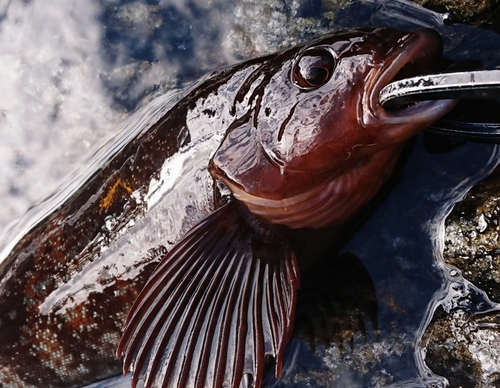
(342, 125)
(239, 161)
(325, 137)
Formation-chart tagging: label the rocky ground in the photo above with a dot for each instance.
(463, 340)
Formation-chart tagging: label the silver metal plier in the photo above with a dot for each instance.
(468, 85)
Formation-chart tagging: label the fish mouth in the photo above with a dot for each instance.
(417, 53)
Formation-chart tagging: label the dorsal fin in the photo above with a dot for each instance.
(219, 303)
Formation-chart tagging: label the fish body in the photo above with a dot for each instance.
(190, 228)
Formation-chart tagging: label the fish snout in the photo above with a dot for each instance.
(417, 53)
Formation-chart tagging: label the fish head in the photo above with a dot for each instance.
(315, 143)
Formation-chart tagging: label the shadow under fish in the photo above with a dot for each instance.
(302, 146)
(337, 304)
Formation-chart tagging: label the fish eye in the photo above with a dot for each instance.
(313, 68)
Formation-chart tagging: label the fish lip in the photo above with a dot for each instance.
(420, 48)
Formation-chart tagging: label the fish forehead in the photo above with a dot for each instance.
(283, 123)
(361, 40)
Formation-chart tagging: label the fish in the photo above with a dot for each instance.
(182, 253)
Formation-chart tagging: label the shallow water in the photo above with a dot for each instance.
(72, 71)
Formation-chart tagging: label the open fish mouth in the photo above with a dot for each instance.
(419, 53)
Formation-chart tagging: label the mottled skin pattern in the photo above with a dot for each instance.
(76, 345)
(51, 254)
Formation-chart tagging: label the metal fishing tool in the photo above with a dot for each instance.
(473, 120)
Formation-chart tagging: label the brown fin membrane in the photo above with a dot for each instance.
(217, 306)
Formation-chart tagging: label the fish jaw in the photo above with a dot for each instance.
(419, 49)
(333, 202)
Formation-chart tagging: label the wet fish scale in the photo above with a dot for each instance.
(59, 346)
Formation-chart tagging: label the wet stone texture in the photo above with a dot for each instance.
(464, 349)
(465, 11)
(257, 22)
(463, 340)
(196, 37)
(472, 236)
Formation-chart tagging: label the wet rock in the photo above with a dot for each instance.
(464, 11)
(262, 27)
(462, 341)
(187, 39)
(464, 348)
(472, 233)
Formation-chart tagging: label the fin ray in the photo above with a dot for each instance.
(218, 303)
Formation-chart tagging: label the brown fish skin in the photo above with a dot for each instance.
(72, 344)
(322, 165)
(312, 146)
(69, 342)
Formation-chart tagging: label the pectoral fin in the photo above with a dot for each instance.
(220, 302)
